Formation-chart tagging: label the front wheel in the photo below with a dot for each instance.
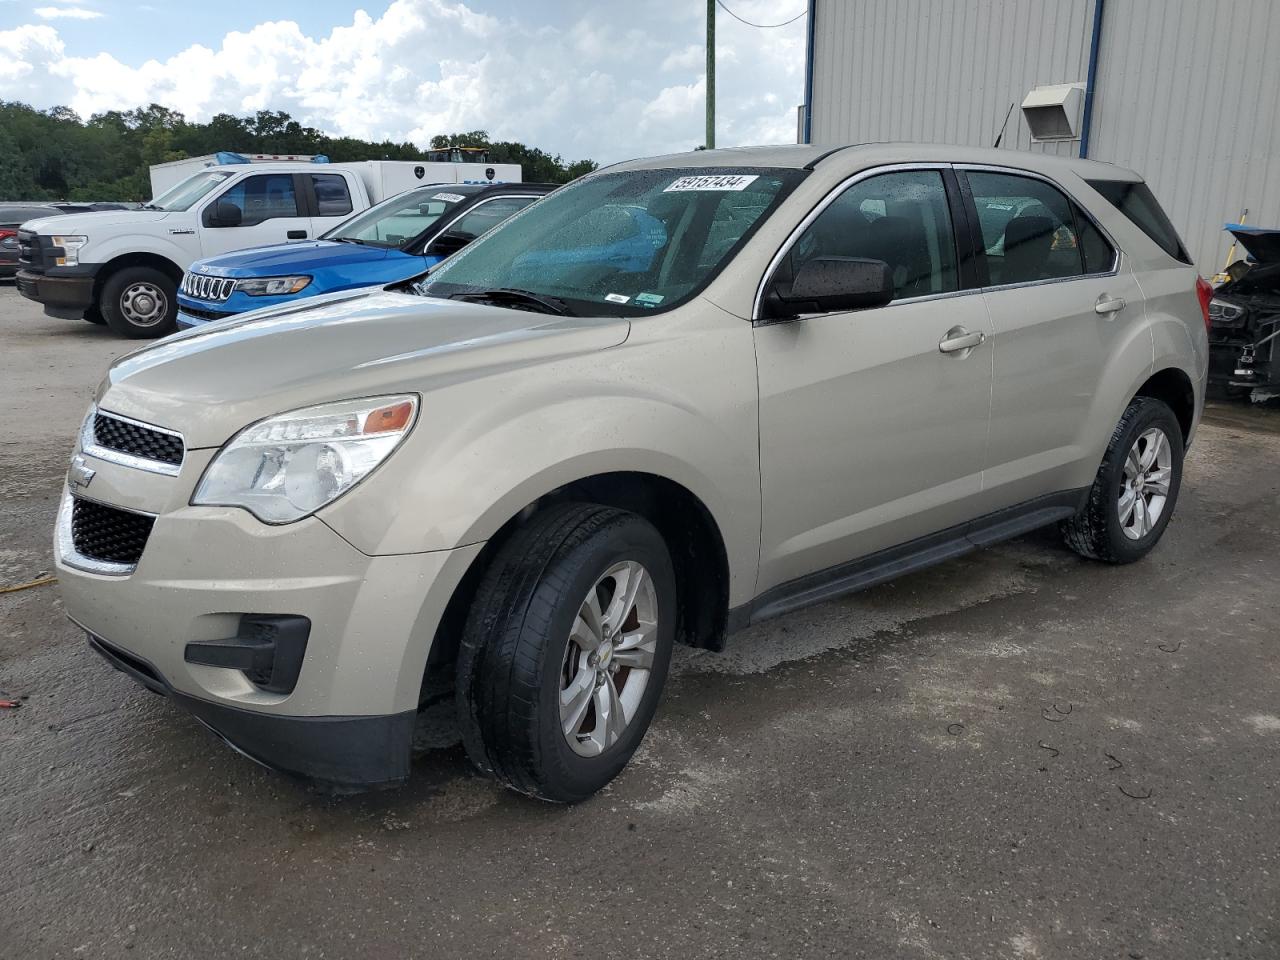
(566, 650)
(140, 303)
(1136, 487)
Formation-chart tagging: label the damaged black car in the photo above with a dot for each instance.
(1244, 318)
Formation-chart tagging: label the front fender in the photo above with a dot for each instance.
(135, 243)
(485, 449)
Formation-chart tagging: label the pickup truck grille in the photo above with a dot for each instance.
(29, 254)
(106, 534)
(207, 288)
(135, 439)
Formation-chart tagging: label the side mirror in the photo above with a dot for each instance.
(225, 214)
(831, 285)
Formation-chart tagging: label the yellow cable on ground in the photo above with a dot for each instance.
(43, 581)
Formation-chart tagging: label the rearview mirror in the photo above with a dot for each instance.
(832, 284)
(225, 215)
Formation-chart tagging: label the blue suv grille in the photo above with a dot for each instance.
(207, 288)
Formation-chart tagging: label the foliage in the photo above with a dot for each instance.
(55, 155)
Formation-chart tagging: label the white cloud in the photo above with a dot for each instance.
(621, 80)
(66, 13)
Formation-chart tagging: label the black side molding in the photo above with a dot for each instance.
(914, 555)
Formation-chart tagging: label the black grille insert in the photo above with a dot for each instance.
(104, 533)
(137, 440)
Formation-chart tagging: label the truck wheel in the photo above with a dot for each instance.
(1136, 487)
(565, 651)
(140, 303)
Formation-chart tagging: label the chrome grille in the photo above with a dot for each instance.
(201, 287)
(28, 248)
(110, 436)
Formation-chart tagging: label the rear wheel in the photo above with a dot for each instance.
(140, 303)
(566, 650)
(1136, 487)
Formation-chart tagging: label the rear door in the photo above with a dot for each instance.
(1062, 305)
(328, 197)
(272, 210)
(873, 423)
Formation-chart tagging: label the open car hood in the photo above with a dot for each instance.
(1261, 243)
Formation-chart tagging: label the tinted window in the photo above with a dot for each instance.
(900, 218)
(483, 218)
(1028, 229)
(1138, 203)
(332, 197)
(1099, 256)
(263, 197)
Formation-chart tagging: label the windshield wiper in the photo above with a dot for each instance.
(347, 240)
(516, 300)
(151, 206)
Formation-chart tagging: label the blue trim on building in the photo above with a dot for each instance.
(808, 73)
(1094, 45)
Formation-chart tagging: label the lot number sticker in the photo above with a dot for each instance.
(726, 182)
(449, 197)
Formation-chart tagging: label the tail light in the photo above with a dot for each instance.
(1204, 293)
(7, 234)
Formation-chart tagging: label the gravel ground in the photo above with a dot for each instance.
(1018, 754)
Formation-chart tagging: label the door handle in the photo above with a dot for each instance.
(296, 235)
(960, 340)
(1108, 304)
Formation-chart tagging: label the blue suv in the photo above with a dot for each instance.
(395, 240)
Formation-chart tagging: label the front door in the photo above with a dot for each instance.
(270, 212)
(873, 424)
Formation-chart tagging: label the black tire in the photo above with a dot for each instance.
(515, 639)
(94, 315)
(125, 288)
(1096, 532)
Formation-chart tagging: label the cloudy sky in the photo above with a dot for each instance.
(605, 79)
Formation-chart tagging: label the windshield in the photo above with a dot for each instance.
(396, 222)
(190, 190)
(619, 243)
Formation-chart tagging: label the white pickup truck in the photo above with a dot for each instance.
(123, 267)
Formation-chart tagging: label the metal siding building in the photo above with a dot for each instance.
(1187, 92)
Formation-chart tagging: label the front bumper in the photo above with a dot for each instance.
(203, 569)
(67, 294)
(196, 313)
(358, 753)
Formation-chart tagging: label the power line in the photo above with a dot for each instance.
(762, 26)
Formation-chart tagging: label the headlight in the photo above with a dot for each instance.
(272, 286)
(287, 467)
(1221, 310)
(70, 250)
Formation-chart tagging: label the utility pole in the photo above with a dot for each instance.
(711, 75)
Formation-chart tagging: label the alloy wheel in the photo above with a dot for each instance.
(1144, 485)
(608, 658)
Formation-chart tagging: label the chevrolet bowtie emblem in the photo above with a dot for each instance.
(81, 474)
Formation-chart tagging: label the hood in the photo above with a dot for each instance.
(285, 258)
(1262, 244)
(86, 223)
(213, 381)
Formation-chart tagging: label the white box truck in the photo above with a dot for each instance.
(124, 266)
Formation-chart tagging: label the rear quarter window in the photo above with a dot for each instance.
(1139, 204)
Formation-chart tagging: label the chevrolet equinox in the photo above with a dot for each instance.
(675, 398)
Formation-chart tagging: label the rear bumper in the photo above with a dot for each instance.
(66, 295)
(355, 753)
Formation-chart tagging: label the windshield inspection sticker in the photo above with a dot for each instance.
(725, 182)
(449, 197)
(617, 298)
(649, 299)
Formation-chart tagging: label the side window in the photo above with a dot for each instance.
(900, 218)
(1139, 204)
(263, 197)
(1099, 256)
(333, 198)
(1029, 229)
(483, 218)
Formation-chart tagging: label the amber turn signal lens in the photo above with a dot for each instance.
(386, 419)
